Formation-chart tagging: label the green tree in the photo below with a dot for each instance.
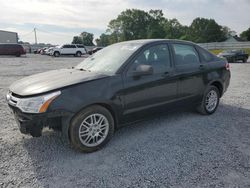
(104, 40)
(246, 34)
(130, 25)
(205, 30)
(156, 24)
(87, 38)
(134, 24)
(77, 40)
(174, 29)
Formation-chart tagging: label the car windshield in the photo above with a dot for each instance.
(109, 59)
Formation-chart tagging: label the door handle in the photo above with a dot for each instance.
(165, 74)
(202, 67)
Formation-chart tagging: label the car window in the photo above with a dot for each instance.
(67, 46)
(72, 46)
(185, 54)
(205, 56)
(80, 46)
(157, 56)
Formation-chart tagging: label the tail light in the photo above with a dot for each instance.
(227, 66)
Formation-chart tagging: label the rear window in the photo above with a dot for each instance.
(185, 54)
(205, 55)
(69, 46)
(80, 46)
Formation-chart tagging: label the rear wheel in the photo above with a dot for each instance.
(78, 54)
(18, 54)
(91, 129)
(244, 60)
(210, 101)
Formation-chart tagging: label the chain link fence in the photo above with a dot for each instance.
(225, 45)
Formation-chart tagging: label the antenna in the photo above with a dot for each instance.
(35, 36)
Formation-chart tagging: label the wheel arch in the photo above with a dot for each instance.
(66, 122)
(56, 51)
(219, 85)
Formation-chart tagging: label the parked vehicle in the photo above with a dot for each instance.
(233, 56)
(48, 50)
(124, 82)
(12, 49)
(69, 49)
(94, 50)
(42, 51)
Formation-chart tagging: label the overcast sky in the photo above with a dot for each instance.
(57, 21)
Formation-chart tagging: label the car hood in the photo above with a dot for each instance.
(52, 80)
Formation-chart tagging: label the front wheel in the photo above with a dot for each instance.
(56, 54)
(91, 129)
(210, 101)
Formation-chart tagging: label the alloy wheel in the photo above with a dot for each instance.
(93, 130)
(211, 100)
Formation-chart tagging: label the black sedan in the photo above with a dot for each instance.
(122, 83)
(233, 56)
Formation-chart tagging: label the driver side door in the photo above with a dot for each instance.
(149, 93)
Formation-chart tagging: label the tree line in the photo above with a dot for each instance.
(134, 24)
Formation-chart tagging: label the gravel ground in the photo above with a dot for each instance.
(181, 149)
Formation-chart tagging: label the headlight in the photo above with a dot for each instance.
(37, 104)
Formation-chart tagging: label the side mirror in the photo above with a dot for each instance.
(143, 70)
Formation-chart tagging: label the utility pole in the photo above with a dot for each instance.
(35, 36)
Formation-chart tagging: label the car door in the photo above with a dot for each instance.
(63, 49)
(1, 50)
(189, 71)
(149, 93)
(66, 49)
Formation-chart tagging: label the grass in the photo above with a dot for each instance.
(217, 51)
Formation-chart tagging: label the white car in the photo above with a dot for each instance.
(69, 49)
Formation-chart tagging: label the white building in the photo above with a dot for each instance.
(8, 37)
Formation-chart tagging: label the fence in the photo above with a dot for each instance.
(225, 45)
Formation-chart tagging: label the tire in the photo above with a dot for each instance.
(78, 54)
(36, 131)
(18, 54)
(86, 122)
(203, 108)
(56, 54)
(244, 60)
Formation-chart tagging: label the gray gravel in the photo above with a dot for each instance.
(181, 149)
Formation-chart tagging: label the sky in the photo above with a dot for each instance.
(57, 21)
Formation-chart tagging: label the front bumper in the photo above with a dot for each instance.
(30, 123)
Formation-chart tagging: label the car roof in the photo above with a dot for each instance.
(147, 41)
(10, 44)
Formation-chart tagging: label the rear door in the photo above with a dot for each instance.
(189, 72)
(9, 49)
(2, 49)
(68, 49)
(81, 48)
